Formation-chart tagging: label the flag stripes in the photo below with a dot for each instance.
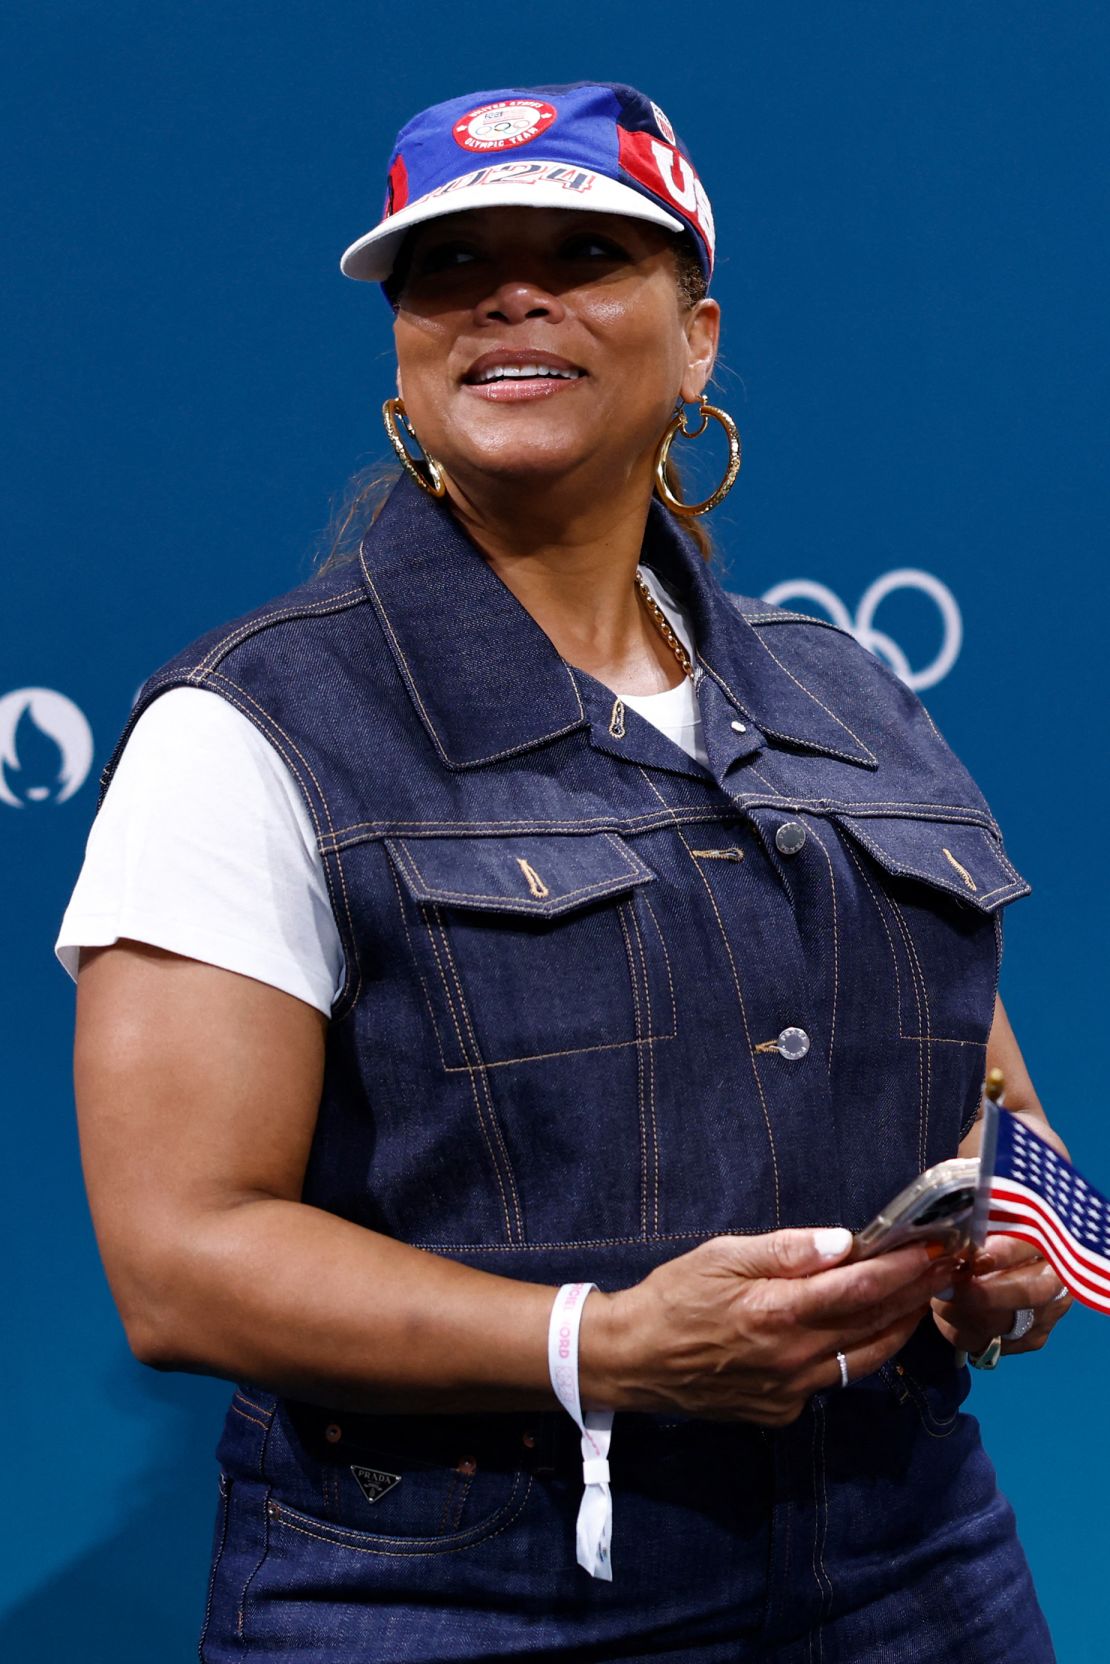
(1015, 1211)
(1036, 1194)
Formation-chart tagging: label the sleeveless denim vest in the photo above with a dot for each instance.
(602, 1003)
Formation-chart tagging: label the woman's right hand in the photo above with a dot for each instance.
(747, 1328)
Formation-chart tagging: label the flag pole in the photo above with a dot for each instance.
(988, 1150)
(993, 1088)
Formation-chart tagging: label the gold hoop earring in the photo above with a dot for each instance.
(433, 482)
(679, 426)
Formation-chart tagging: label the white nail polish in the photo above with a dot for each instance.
(833, 1242)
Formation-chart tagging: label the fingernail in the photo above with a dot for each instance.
(833, 1242)
(945, 1293)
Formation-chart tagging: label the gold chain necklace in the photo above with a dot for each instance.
(662, 624)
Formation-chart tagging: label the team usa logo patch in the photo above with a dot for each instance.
(663, 124)
(503, 126)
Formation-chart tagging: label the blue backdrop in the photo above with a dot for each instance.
(912, 206)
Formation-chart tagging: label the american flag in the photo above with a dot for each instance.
(1030, 1191)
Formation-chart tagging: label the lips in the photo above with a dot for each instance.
(505, 366)
(522, 372)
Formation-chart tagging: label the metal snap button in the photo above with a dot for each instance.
(790, 837)
(793, 1044)
(333, 1433)
(738, 727)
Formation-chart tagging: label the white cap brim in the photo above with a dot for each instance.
(371, 258)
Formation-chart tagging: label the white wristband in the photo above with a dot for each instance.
(595, 1515)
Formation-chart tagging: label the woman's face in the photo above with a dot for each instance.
(535, 343)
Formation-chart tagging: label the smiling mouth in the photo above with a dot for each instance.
(522, 372)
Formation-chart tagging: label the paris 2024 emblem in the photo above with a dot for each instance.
(46, 747)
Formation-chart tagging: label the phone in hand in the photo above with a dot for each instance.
(936, 1208)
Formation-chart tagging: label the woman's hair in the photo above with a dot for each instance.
(692, 281)
(366, 492)
(354, 513)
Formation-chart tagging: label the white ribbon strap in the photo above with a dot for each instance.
(595, 1514)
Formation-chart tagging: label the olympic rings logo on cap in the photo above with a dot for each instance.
(663, 124)
(504, 125)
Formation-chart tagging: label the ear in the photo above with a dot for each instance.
(703, 332)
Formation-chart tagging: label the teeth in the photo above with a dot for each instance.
(521, 372)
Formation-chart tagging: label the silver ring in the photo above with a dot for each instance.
(1024, 1319)
(843, 1362)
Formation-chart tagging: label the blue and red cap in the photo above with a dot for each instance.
(588, 146)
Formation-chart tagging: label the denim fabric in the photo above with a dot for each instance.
(870, 1532)
(570, 951)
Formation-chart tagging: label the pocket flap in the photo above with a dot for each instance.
(538, 876)
(965, 859)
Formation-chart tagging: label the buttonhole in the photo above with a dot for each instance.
(962, 870)
(535, 883)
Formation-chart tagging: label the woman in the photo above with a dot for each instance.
(592, 930)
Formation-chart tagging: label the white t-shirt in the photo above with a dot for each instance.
(204, 845)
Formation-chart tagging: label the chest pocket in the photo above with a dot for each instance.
(937, 888)
(534, 947)
(966, 860)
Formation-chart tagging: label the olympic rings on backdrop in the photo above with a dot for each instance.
(863, 625)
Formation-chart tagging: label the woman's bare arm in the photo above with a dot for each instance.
(197, 1093)
(1003, 1052)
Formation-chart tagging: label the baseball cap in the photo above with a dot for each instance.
(590, 145)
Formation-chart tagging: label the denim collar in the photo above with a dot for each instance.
(487, 682)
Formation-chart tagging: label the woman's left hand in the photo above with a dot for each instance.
(1007, 1276)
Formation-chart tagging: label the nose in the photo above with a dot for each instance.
(516, 300)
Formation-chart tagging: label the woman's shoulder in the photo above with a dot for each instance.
(255, 662)
(811, 682)
(201, 759)
(827, 654)
(193, 724)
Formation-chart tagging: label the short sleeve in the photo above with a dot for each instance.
(204, 846)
